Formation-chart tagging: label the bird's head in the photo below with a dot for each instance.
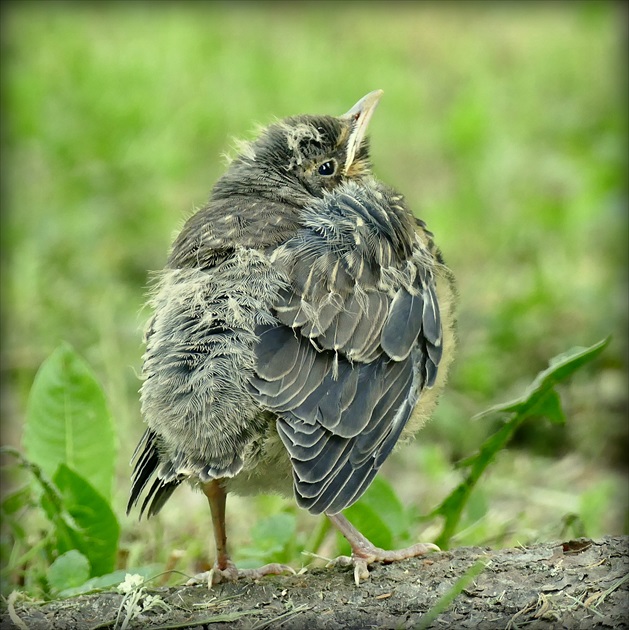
(303, 156)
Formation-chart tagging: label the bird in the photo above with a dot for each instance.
(302, 327)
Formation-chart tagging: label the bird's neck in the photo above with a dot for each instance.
(256, 184)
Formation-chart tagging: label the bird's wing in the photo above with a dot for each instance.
(358, 337)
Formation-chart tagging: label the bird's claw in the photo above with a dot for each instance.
(231, 574)
(361, 570)
(361, 566)
(365, 555)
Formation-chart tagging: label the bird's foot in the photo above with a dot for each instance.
(230, 573)
(364, 554)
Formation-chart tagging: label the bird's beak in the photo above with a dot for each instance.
(359, 115)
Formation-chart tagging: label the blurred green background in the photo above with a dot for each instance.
(504, 124)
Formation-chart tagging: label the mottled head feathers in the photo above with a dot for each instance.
(298, 157)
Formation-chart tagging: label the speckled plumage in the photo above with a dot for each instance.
(301, 328)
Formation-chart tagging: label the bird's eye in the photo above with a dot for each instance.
(327, 168)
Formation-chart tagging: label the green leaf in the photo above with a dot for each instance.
(67, 421)
(82, 519)
(17, 500)
(271, 536)
(559, 369)
(110, 579)
(550, 407)
(69, 570)
(51, 500)
(85, 521)
(381, 498)
(274, 531)
(540, 399)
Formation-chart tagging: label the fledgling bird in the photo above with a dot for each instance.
(302, 327)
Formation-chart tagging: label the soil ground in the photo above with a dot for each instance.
(578, 584)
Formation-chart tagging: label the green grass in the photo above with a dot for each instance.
(503, 124)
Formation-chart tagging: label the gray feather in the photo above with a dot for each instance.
(277, 353)
(431, 319)
(403, 325)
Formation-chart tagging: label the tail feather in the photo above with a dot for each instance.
(158, 495)
(147, 461)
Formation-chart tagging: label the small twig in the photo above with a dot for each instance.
(598, 598)
(580, 603)
(315, 555)
(512, 625)
(610, 590)
(281, 618)
(11, 610)
(189, 624)
(201, 622)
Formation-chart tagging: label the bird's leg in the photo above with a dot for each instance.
(364, 552)
(217, 498)
(224, 569)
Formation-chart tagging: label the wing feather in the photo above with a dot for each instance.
(330, 398)
(316, 470)
(300, 452)
(403, 324)
(289, 384)
(343, 325)
(281, 354)
(357, 339)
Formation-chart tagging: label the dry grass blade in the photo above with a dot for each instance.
(281, 618)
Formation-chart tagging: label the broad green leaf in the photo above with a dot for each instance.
(270, 537)
(67, 421)
(69, 570)
(381, 498)
(92, 528)
(274, 531)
